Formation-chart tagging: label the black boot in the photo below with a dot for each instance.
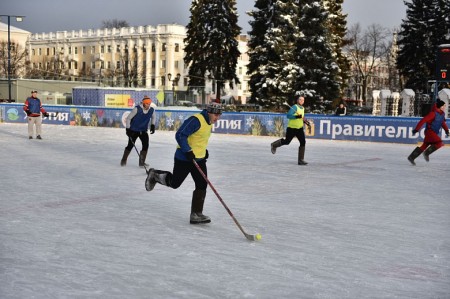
(198, 199)
(426, 154)
(275, 144)
(301, 156)
(126, 153)
(415, 153)
(142, 157)
(157, 176)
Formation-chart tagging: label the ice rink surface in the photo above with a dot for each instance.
(357, 222)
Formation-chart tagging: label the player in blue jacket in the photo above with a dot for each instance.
(138, 122)
(192, 138)
(296, 121)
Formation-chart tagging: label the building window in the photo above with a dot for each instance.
(83, 50)
(83, 66)
(102, 49)
(92, 49)
(102, 64)
(33, 52)
(48, 51)
(70, 50)
(177, 47)
(109, 49)
(153, 48)
(39, 52)
(164, 46)
(176, 64)
(144, 48)
(118, 65)
(118, 48)
(153, 63)
(163, 64)
(93, 65)
(75, 50)
(109, 64)
(75, 65)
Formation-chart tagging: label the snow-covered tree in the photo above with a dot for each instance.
(211, 45)
(313, 54)
(290, 52)
(271, 42)
(426, 26)
(337, 27)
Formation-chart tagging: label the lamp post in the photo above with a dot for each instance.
(174, 82)
(18, 19)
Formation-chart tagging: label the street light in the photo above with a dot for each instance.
(174, 82)
(18, 19)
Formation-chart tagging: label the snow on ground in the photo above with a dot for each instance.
(358, 222)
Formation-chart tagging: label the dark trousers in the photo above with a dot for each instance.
(181, 169)
(143, 136)
(291, 133)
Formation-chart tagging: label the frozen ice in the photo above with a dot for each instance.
(359, 221)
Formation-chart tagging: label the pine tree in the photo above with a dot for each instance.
(337, 27)
(272, 39)
(425, 28)
(211, 45)
(314, 55)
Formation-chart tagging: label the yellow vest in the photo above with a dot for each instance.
(199, 140)
(298, 122)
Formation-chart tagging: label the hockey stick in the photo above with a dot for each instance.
(137, 153)
(249, 237)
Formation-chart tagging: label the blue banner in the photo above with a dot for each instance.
(355, 128)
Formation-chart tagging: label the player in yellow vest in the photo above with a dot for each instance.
(296, 116)
(192, 138)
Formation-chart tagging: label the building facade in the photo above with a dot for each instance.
(143, 56)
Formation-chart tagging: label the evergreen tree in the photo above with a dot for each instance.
(290, 52)
(211, 45)
(425, 27)
(314, 55)
(271, 44)
(337, 26)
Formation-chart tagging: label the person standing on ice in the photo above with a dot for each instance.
(33, 109)
(435, 120)
(192, 138)
(137, 126)
(296, 116)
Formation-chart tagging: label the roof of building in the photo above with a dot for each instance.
(4, 27)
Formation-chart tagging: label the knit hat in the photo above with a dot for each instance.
(214, 108)
(146, 100)
(439, 103)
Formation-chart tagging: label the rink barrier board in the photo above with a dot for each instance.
(352, 128)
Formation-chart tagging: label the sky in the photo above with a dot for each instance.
(359, 221)
(55, 15)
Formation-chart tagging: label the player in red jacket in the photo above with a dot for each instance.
(435, 120)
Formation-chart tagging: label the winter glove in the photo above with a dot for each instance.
(190, 156)
(415, 131)
(28, 112)
(45, 114)
(152, 129)
(446, 134)
(298, 116)
(206, 155)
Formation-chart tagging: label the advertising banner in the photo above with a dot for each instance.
(354, 128)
